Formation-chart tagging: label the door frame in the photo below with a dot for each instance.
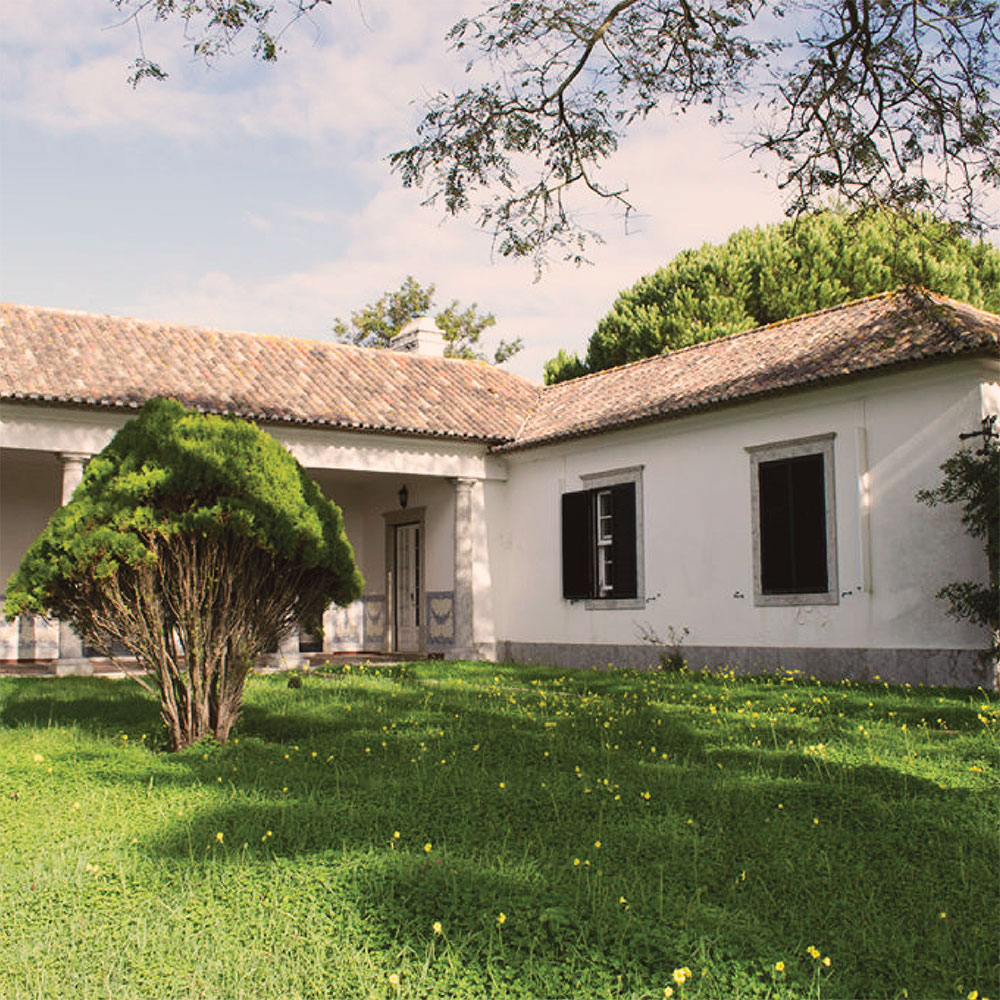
(412, 515)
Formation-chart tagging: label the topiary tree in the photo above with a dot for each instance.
(197, 542)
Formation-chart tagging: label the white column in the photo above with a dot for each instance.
(72, 472)
(464, 608)
(71, 658)
(288, 649)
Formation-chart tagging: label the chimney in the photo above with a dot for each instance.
(420, 336)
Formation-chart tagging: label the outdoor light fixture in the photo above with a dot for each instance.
(404, 496)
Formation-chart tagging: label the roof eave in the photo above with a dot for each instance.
(121, 406)
(511, 447)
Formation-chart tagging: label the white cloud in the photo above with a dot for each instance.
(682, 173)
(257, 222)
(353, 79)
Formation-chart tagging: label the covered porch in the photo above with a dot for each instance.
(415, 509)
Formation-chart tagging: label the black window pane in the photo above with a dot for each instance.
(792, 501)
(809, 523)
(777, 561)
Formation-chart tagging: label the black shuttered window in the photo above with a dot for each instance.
(599, 543)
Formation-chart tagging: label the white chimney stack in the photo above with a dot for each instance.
(420, 336)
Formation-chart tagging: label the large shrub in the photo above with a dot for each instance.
(197, 542)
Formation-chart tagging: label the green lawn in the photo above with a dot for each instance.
(477, 831)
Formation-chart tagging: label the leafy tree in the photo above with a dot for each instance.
(972, 479)
(880, 101)
(767, 274)
(562, 367)
(196, 542)
(375, 324)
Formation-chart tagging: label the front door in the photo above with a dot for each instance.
(406, 587)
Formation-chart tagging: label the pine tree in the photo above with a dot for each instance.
(771, 273)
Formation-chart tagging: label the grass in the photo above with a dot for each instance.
(578, 835)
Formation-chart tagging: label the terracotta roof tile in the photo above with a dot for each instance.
(49, 355)
(72, 357)
(894, 328)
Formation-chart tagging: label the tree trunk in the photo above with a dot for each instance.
(196, 619)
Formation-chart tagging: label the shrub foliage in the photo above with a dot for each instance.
(766, 274)
(197, 542)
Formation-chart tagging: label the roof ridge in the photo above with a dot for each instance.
(253, 335)
(740, 333)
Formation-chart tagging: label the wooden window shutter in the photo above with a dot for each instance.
(577, 546)
(623, 512)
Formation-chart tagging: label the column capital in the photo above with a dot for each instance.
(67, 457)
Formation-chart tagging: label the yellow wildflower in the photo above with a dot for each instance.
(437, 928)
(428, 847)
(779, 966)
(501, 918)
(218, 836)
(681, 976)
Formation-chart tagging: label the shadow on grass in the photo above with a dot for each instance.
(738, 853)
(95, 704)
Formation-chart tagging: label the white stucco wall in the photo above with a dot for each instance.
(30, 484)
(696, 516)
(697, 521)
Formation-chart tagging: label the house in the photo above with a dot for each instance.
(751, 497)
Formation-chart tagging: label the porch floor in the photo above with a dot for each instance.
(268, 664)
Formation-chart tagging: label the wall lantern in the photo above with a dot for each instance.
(404, 496)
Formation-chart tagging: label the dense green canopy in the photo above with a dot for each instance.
(770, 273)
(171, 472)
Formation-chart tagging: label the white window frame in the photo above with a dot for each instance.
(603, 480)
(604, 542)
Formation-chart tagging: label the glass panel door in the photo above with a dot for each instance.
(406, 587)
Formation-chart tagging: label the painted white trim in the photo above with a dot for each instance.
(864, 507)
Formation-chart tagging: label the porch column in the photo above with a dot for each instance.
(71, 658)
(464, 594)
(72, 472)
(288, 649)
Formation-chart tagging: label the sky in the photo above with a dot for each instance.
(258, 197)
